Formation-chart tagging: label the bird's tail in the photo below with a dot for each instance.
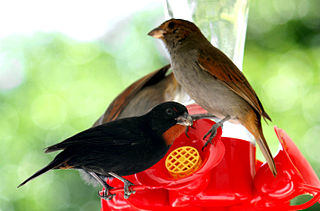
(261, 141)
(38, 173)
(254, 126)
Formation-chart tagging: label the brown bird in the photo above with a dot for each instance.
(211, 79)
(144, 94)
(137, 99)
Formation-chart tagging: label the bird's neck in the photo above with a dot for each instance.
(188, 44)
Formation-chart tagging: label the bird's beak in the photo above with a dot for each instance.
(157, 33)
(184, 119)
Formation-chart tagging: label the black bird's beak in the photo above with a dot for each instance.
(157, 33)
(184, 119)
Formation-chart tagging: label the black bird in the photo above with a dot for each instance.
(121, 147)
(137, 99)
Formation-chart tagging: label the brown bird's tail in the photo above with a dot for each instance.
(38, 173)
(261, 141)
(253, 124)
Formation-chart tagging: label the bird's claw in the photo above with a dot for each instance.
(127, 184)
(187, 130)
(106, 195)
(212, 132)
(127, 190)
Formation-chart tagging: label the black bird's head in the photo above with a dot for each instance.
(169, 119)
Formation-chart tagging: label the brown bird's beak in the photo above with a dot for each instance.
(157, 33)
(185, 120)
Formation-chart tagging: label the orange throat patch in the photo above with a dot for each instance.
(172, 133)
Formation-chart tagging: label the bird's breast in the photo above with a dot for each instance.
(172, 133)
(209, 92)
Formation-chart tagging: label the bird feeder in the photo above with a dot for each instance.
(224, 176)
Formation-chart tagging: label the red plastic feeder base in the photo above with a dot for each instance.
(228, 178)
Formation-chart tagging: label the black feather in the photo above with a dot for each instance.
(124, 146)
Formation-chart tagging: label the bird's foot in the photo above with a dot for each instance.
(106, 195)
(187, 130)
(127, 185)
(106, 192)
(213, 131)
(127, 190)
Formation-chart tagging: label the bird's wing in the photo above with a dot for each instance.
(120, 132)
(223, 69)
(120, 102)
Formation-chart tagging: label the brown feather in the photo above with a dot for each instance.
(120, 102)
(253, 124)
(64, 165)
(226, 71)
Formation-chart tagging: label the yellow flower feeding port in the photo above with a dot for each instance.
(183, 161)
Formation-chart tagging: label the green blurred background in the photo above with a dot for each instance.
(53, 85)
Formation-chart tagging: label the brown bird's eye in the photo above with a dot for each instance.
(171, 25)
(169, 111)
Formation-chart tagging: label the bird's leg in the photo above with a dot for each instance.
(197, 117)
(187, 130)
(202, 116)
(127, 184)
(106, 193)
(213, 130)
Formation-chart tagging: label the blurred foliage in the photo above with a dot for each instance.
(52, 87)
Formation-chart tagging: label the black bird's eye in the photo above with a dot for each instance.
(169, 111)
(171, 25)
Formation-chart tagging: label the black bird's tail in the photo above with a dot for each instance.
(38, 173)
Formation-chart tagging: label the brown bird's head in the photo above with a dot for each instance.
(169, 120)
(175, 32)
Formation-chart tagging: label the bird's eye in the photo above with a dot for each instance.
(169, 111)
(171, 25)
